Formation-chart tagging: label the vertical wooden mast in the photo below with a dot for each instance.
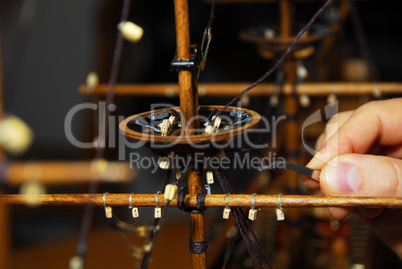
(188, 96)
(293, 133)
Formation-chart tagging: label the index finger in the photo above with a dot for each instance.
(375, 123)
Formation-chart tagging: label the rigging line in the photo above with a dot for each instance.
(155, 228)
(81, 248)
(278, 63)
(247, 224)
(238, 221)
(211, 15)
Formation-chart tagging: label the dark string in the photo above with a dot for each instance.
(246, 223)
(279, 62)
(239, 221)
(81, 248)
(211, 15)
(155, 230)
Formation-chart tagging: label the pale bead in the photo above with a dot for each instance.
(269, 33)
(130, 31)
(245, 100)
(15, 135)
(76, 262)
(92, 81)
(302, 72)
(331, 98)
(274, 100)
(164, 163)
(304, 100)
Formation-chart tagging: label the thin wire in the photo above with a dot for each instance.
(279, 62)
(81, 248)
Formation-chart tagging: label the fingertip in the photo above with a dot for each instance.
(340, 213)
(311, 183)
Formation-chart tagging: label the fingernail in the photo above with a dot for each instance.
(343, 178)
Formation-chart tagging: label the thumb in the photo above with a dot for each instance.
(362, 175)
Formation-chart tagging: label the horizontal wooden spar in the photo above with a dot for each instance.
(263, 89)
(65, 172)
(213, 200)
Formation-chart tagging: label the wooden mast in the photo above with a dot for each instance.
(188, 101)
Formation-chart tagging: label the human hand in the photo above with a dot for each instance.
(362, 157)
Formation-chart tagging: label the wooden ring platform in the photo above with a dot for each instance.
(197, 140)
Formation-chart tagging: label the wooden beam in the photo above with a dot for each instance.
(211, 200)
(264, 89)
(66, 173)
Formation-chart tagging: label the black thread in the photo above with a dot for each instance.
(197, 247)
(279, 62)
(243, 225)
(155, 231)
(81, 248)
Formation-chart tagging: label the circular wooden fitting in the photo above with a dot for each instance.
(235, 121)
(269, 40)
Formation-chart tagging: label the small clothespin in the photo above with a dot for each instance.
(210, 177)
(108, 209)
(134, 210)
(158, 209)
(279, 211)
(252, 213)
(226, 210)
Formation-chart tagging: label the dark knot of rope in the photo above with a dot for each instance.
(200, 201)
(197, 247)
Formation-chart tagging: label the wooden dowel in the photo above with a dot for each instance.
(212, 200)
(264, 89)
(59, 173)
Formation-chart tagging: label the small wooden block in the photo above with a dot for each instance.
(210, 177)
(252, 214)
(158, 212)
(170, 191)
(108, 212)
(135, 212)
(279, 214)
(226, 213)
